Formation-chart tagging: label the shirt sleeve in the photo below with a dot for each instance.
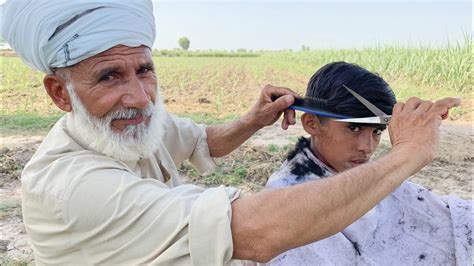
(115, 217)
(184, 140)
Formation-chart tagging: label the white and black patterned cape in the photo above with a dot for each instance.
(410, 226)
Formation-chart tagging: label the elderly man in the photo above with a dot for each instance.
(103, 186)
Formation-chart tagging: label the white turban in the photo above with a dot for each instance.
(50, 34)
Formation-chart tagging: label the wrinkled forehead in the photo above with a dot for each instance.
(119, 56)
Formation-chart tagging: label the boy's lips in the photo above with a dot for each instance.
(359, 161)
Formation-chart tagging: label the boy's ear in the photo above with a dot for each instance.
(57, 90)
(311, 124)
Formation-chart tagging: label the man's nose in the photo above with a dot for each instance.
(136, 95)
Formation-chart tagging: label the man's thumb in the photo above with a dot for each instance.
(284, 102)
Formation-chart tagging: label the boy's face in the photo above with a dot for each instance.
(344, 145)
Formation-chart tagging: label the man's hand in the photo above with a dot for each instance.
(414, 126)
(222, 139)
(263, 224)
(265, 112)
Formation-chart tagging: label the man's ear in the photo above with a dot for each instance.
(311, 124)
(56, 88)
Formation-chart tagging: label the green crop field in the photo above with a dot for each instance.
(213, 87)
(218, 86)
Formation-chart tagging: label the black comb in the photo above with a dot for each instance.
(313, 106)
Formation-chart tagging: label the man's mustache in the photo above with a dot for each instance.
(131, 113)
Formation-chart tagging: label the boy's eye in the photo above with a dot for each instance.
(378, 131)
(354, 128)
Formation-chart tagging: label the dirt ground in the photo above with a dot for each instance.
(450, 173)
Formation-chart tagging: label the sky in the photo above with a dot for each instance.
(318, 24)
(277, 25)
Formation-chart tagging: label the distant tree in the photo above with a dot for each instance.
(184, 43)
(304, 48)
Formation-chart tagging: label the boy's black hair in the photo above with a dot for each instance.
(327, 83)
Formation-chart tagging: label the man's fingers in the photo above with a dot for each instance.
(441, 107)
(286, 97)
(270, 90)
(445, 115)
(412, 104)
(398, 108)
(424, 106)
(283, 102)
(288, 119)
(448, 102)
(284, 124)
(289, 115)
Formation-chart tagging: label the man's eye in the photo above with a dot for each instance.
(144, 70)
(354, 128)
(106, 78)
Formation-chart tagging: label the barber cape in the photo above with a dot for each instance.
(82, 207)
(411, 226)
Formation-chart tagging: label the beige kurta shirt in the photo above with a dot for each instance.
(83, 207)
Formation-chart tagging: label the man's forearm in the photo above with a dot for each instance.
(268, 223)
(290, 217)
(222, 139)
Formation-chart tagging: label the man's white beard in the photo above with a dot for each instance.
(134, 142)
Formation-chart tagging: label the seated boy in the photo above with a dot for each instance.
(410, 226)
